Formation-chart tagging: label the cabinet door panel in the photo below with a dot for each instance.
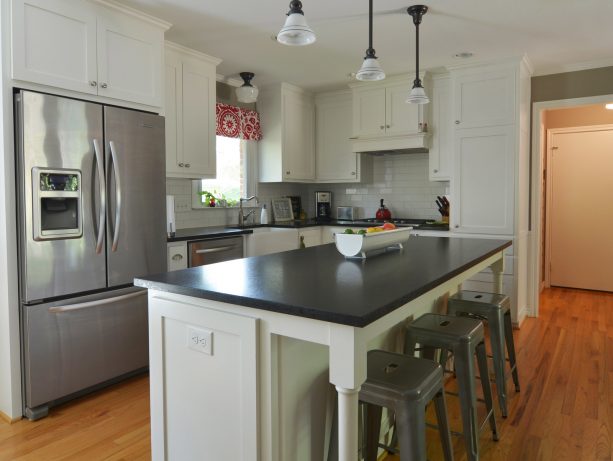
(334, 159)
(401, 117)
(172, 112)
(483, 186)
(485, 99)
(130, 59)
(54, 43)
(198, 100)
(440, 156)
(298, 138)
(369, 112)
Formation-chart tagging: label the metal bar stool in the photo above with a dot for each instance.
(464, 338)
(496, 310)
(406, 385)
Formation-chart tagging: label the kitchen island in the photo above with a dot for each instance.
(215, 337)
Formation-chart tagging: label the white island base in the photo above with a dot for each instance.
(230, 382)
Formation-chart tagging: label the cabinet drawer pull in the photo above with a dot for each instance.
(177, 257)
(93, 83)
(103, 85)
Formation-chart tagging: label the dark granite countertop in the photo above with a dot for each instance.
(319, 283)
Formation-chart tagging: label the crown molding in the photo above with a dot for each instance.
(573, 67)
(113, 4)
(191, 52)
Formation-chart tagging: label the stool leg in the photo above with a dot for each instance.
(373, 430)
(443, 425)
(465, 372)
(487, 388)
(496, 324)
(411, 425)
(508, 335)
(409, 343)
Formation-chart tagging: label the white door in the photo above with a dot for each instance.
(401, 117)
(129, 59)
(54, 43)
(298, 137)
(483, 186)
(581, 213)
(334, 159)
(369, 112)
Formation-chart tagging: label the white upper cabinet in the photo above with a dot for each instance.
(54, 43)
(287, 149)
(369, 112)
(335, 160)
(484, 98)
(484, 180)
(90, 48)
(129, 59)
(441, 127)
(190, 97)
(401, 118)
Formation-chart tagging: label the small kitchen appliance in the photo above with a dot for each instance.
(345, 213)
(323, 206)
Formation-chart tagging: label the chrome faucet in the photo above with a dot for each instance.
(241, 214)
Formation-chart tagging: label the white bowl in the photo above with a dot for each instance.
(356, 245)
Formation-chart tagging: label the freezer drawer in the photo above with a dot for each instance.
(73, 344)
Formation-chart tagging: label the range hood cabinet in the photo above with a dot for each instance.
(418, 143)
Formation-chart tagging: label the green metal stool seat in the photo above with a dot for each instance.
(463, 337)
(405, 385)
(496, 310)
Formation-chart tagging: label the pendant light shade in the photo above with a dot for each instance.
(418, 94)
(247, 93)
(371, 69)
(296, 31)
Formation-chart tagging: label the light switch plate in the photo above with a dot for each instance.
(200, 340)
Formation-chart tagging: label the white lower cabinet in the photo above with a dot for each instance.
(268, 240)
(177, 256)
(327, 233)
(311, 236)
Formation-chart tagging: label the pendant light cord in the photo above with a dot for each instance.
(370, 24)
(417, 81)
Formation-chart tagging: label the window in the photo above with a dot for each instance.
(231, 181)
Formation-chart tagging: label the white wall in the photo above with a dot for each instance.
(10, 371)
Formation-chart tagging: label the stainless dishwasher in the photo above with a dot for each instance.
(215, 250)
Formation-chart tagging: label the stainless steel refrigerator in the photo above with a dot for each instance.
(91, 195)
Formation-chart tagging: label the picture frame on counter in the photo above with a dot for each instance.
(282, 209)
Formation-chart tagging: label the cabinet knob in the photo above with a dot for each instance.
(456, 226)
(388, 126)
(287, 172)
(187, 165)
(382, 127)
(353, 173)
(103, 85)
(93, 83)
(181, 165)
(435, 171)
(457, 122)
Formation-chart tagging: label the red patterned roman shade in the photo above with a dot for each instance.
(234, 122)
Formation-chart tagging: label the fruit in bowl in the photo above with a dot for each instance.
(388, 226)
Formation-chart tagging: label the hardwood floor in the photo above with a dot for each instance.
(563, 412)
(111, 424)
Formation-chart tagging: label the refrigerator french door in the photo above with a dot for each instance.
(90, 181)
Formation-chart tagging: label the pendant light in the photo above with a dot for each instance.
(417, 94)
(247, 93)
(371, 69)
(296, 32)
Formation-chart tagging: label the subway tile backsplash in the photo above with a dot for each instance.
(401, 180)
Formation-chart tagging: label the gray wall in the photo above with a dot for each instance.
(579, 84)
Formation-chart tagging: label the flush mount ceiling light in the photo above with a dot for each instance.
(296, 32)
(609, 106)
(247, 93)
(417, 94)
(371, 69)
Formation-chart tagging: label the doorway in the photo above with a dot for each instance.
(579, 216)
(569, 113)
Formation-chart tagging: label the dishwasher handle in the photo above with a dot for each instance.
(215, 250)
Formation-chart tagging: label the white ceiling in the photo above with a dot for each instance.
(557, 35)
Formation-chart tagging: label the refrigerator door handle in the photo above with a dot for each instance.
(102, 216)
(118, 197)
(96, 303)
